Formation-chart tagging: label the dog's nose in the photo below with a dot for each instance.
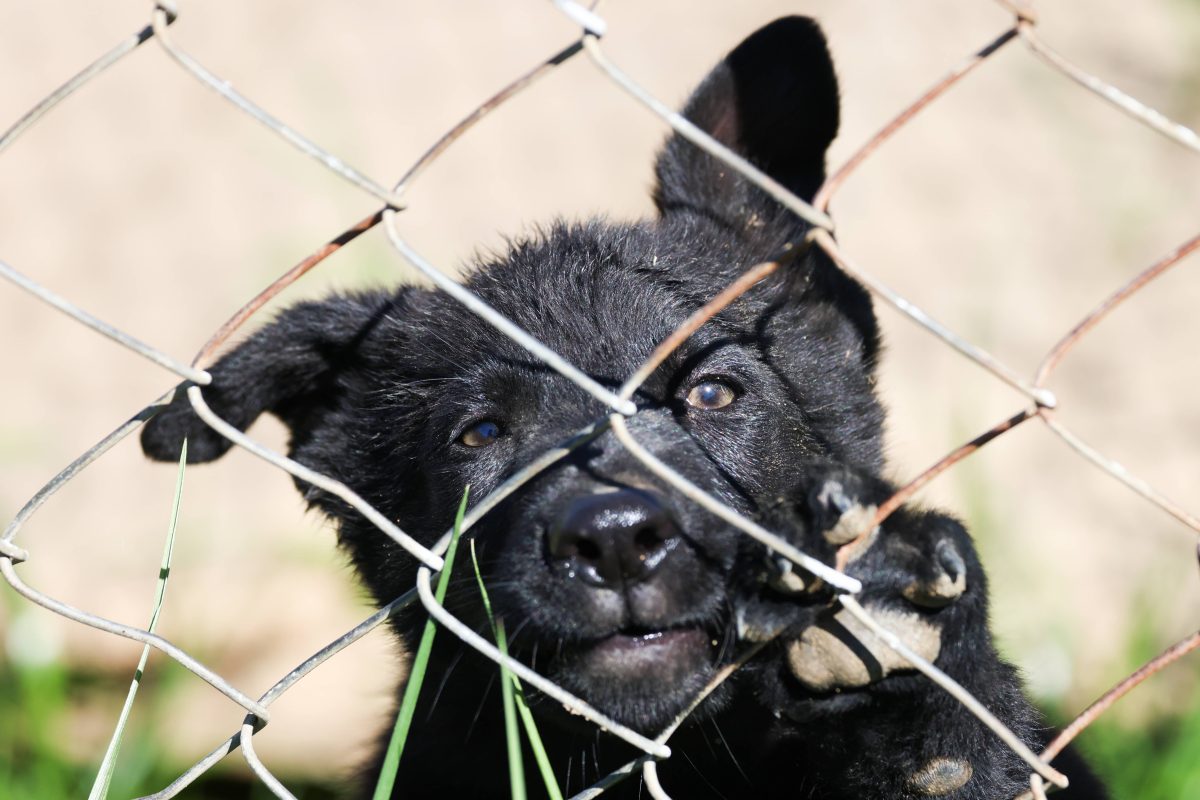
(613, 538)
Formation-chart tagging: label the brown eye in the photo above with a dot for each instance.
(480, 434)
(711, 395)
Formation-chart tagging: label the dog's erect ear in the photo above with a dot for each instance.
(295, 367)
(774, 101)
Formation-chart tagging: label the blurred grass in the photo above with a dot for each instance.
(49, 749)
(1159, 760)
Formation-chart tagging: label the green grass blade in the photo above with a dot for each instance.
(109, 763)
(512, 736)
(508, 679)
(535, 742)
(416, 673)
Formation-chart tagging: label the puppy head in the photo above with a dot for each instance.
(622, 588)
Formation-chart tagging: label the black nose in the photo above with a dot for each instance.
(613, 538)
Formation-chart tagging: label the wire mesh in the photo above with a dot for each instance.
(1043, 404)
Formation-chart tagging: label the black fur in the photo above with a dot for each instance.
(379, 389)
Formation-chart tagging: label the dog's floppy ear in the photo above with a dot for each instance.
(774, 101)
(294, 368)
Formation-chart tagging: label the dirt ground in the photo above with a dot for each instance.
(1007, 210)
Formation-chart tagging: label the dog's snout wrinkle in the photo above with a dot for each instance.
(613, 539)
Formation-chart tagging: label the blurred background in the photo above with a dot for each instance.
(1007, 210)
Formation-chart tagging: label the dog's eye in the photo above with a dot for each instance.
(710, 395)
(480, 434)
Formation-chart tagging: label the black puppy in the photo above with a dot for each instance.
(610, 582)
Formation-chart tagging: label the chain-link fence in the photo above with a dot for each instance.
(1038, 403)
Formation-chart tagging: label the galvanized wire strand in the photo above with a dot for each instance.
(225, 89)
(339, 644)
(835, 181)
(103, 328)
(502, 323)
(650, 779)
(513, 483)
(955, 690)
(1021, 9)
(368, 222)
(334, 487)
(1156, 120)
(1118, 471)
(610, 780)
(572, 703)
(193, 772)
(1147, 670)
(521, 477)
(685, 128)
(124, 48)
(751, 278)
(255, 304)
(723, 674)
(833, 577)
(136, 634)
(586, 18)
(1109, 698)
(282, 685)
(1106, 307)
(79, 464)
(259, 768)
(514, 88)
(12, 552)
(906, 492)
(1040, 395)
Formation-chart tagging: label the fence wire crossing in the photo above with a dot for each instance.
(1041, 402)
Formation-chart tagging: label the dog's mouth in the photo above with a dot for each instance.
(637, 654)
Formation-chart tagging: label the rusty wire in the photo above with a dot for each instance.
(593, 26)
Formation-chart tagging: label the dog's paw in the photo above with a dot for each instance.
(841, 652)
(913, 567)
(922, 582)
(834, 508)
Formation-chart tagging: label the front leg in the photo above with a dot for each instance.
(857, 720)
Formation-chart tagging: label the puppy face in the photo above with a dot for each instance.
(612, 583)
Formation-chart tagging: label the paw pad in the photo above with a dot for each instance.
(842, 653)
(941, 776)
